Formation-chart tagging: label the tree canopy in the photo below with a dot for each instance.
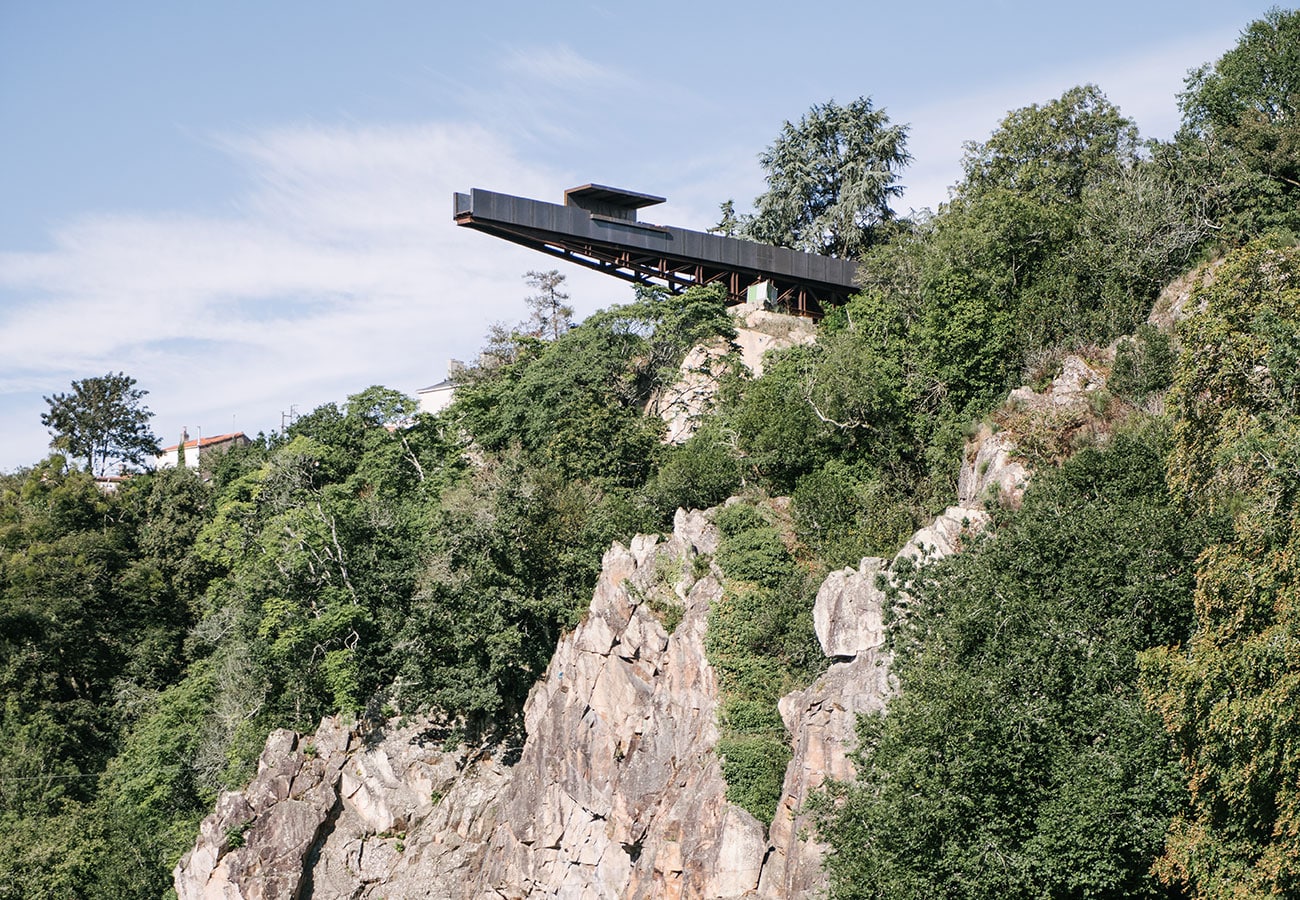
(1051, 152)
(1018, 759)
(1228, 696)
(830, 179)
(102, 419)
(1242, 126)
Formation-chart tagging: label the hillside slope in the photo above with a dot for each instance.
(618, 790)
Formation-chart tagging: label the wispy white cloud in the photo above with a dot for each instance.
(557, 64)
(544, 96)
(339, 268)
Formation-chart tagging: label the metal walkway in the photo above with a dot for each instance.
(597, 227)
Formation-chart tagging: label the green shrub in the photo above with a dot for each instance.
(757, 556)
(1144, 364)
(751, 549)
(235, 835)
(843, 516)
(754, 769)
(761, 644)
(751, 717)
(667, 608)
(697, 475)
(737, 517)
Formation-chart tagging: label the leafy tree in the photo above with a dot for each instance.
(844, 514)
(700, 473)
(515, 556)
(1134, 231)
(1018, 758)
(1050, 153)
(982, 301)
(1074, 232)
(378, 405)
(102, 419)
(577, 403)
(1241, 129)
(316, 542)
(730, 223)
(1059, 233)
(550, 317)
(64, 632)
(830, 180)
(1228, 695)
(777, 434)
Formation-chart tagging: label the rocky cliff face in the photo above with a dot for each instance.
(617, 791)
(682, 404)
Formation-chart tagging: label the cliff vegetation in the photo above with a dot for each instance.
(1097, 698)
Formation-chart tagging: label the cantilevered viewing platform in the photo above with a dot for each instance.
(597, 227)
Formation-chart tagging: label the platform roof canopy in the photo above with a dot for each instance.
(597, 227)
(589, 195)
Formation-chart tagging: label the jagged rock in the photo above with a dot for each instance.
(697, 531)
(1076, 381)
(822, 720)
(846, 614)
(739, 862)
(944, 536)
(761, 330)
(991, 470)
(682, 404)
(1171, 306)
(256, 843)
(1071, 388)
(617, 791)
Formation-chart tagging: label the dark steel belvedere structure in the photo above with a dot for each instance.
(597, 227)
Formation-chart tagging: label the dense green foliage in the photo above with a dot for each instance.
(1240, 140)
(1020, 756)
(1143, 364)
(760, 643)
(1230, 696)
(1018, 759)
(1059, 235)
(95, 605)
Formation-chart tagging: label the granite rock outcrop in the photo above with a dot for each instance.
(617, 790)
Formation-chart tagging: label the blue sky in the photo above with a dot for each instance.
(246, 206)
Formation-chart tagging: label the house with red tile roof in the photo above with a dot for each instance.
(194, 449)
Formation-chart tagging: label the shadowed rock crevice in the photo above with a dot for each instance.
(327, 827)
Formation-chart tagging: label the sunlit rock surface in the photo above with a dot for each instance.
(616, 792)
